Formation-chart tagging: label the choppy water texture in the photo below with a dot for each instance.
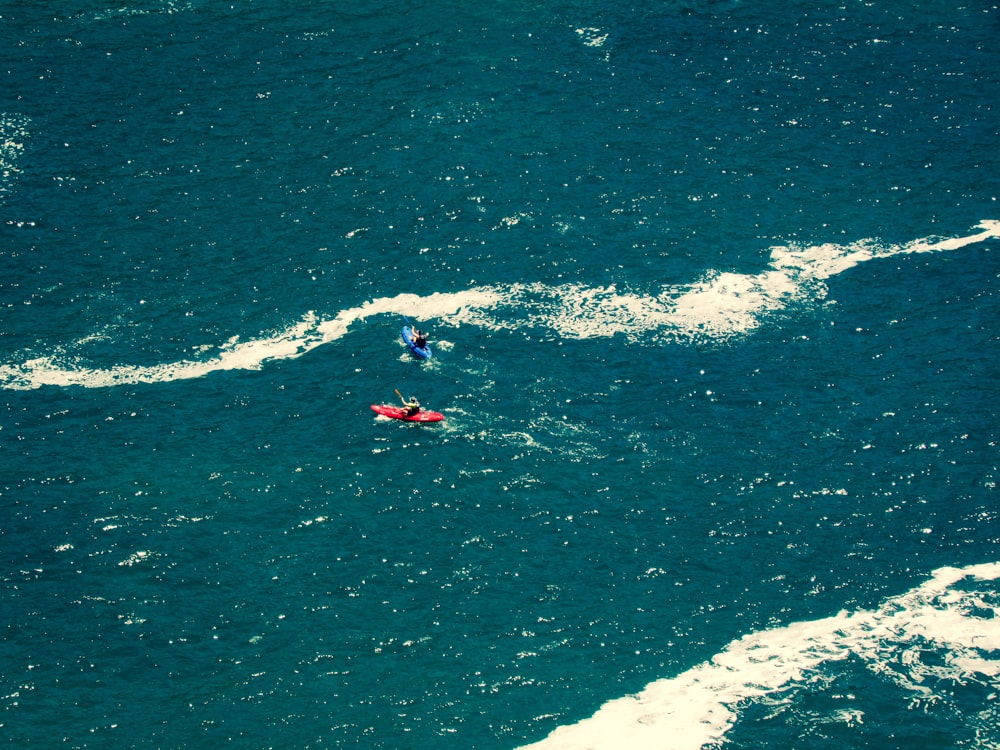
(712, 291)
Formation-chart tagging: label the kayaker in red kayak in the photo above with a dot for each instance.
(410, 411)
(412, 406)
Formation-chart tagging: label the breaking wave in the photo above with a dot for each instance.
(943, 632)
(720, 306)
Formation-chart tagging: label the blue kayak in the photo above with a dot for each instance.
(424, 352)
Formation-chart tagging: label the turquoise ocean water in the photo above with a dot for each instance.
(713, 291)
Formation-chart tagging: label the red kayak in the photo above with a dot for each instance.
(398, 412)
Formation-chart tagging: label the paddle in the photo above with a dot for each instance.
(400, 396)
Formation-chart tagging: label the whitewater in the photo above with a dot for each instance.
(720, 306)
(947, 629)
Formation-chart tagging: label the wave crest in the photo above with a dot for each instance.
(720, 306)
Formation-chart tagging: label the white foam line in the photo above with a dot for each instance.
(720, 306)
(293, 342)
(698, 706)
(733, 304)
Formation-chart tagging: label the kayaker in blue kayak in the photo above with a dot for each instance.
(416, 340)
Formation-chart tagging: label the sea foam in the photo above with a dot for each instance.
(718, 307)
(902, 641)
